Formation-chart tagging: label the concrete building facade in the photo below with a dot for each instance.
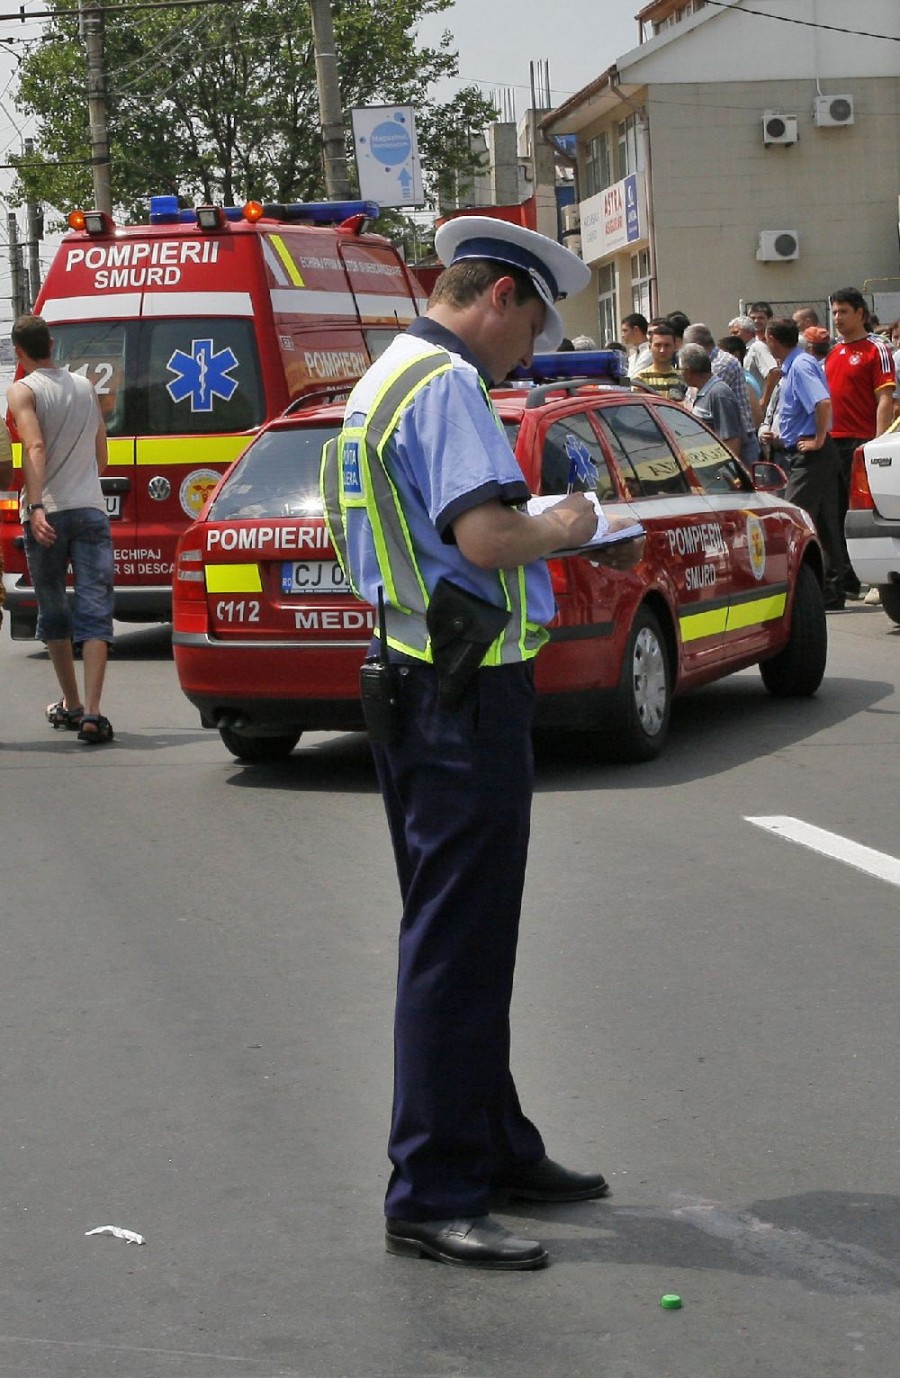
(745, 149)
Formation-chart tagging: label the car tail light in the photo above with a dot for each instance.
(559, 576)
(189, 611)
(860, 493)
(9, 507)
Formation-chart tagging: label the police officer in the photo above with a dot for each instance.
(423, 498)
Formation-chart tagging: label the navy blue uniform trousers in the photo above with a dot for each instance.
(457, 789)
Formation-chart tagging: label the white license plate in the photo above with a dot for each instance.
(313, 576)
(113, 504)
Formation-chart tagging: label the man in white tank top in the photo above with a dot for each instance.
(6, 471)
(64, 523)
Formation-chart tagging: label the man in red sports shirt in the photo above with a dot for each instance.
(861, 379)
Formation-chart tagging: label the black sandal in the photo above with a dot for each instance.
(100, 732)
(58, 715)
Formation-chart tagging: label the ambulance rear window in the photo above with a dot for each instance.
(201, 377)
(277, 477)
(101, 351)
(159, 376)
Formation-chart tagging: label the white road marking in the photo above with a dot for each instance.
(878, 864)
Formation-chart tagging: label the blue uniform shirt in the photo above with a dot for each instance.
(804, 385)
(447, 455)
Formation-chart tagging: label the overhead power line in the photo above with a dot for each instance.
(804, 23)
(116, 9)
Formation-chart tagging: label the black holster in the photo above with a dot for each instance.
(462, 626)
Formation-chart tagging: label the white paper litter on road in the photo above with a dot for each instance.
(117, 1233)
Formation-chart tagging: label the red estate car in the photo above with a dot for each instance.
(268, 638)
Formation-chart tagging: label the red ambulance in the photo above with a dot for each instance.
(196, 329)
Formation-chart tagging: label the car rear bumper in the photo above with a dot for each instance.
(873, 543)
(267, 717)
(288, 687)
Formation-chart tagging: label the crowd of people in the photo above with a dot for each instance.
(783, 388)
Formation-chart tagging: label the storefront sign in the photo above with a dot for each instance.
(613, 219)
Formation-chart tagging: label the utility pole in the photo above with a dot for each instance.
(19, 304)
(35, 221)
(337, 180)
(90, 22)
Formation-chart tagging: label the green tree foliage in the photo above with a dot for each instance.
(218, 102)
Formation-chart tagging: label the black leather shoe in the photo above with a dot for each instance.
(549, 1181)
(470, 1243)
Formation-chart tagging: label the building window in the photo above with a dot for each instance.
(629, 147)
(598, 165)
(640, 282)
(676, 16)
(607, 315)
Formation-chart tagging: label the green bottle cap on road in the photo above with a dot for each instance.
(670, 1301)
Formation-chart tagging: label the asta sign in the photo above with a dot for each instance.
(387, 156)
(613, 219)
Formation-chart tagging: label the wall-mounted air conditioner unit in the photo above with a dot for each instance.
(778, 246)
(831, 111)
(778, 128)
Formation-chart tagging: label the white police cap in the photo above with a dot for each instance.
(555, 271)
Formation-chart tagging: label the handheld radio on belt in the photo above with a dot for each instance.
(462, 627)
(378, 685)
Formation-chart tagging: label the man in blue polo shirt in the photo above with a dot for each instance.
(804, 417)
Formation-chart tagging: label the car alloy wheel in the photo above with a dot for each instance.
(639, 715)
(650, 680)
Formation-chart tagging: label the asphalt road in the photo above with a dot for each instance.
(196, 973)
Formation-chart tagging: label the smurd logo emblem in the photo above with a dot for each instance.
(756, 547)
(196, 488)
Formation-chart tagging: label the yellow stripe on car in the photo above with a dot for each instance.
(717, 621)
(166, 449)
(283, 253)
(233, 579)
(696, 624)
(190, 449)
(756, 610)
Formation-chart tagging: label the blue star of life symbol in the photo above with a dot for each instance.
(202, 375)
(581, 466)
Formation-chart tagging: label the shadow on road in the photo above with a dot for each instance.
(153, 642)
(63, 744)
(840, 1243)
(713, 730)
(335, 764)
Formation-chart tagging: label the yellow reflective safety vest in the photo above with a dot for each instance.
(354, 475)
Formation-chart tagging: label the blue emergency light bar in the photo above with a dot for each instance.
(593, 364)
(164, 210)
(321, 212)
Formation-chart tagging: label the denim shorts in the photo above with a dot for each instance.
(83, 541)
